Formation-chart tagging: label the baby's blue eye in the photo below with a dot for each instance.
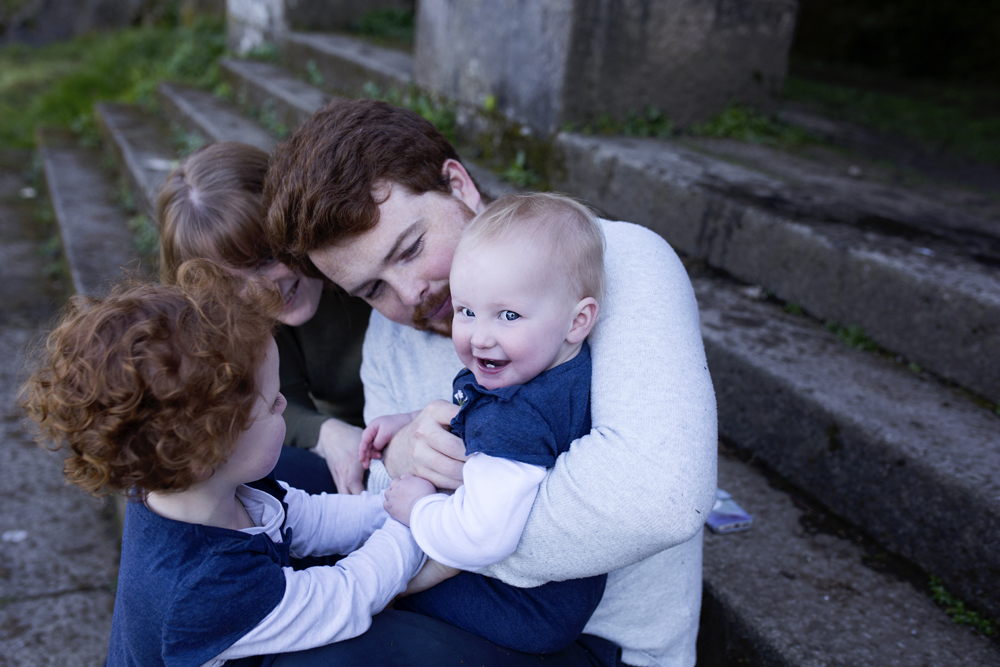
(509, 315)
(466, 312)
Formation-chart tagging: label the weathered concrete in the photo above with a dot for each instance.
(139, 141)
(57, 583)
(781, 595)
(95, 235)
(271, 90)
(252, 23)
(211, 117)
(927, 301)
(548, 63)
(346, 63)
(912, 463)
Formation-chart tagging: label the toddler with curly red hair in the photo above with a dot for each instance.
(171, 395)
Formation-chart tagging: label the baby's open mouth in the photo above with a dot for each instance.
(493, 364)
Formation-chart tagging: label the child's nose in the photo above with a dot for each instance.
(481, 336)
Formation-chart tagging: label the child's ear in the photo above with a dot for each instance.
(583, 321)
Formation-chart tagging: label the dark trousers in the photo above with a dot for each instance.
(302, 469)
(405, 639)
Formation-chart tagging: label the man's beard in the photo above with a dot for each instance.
(441, 327)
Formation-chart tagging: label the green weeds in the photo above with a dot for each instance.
(440, 114)
(955, 608)
(147, 239)
(58, 84)
(960, 120)
(854, 336)
(390, 25)
(519, 173)
(745, 124)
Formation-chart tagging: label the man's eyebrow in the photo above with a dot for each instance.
(406, 233)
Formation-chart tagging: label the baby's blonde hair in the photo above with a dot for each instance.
(564, 224)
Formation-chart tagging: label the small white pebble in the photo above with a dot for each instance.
(14, 536)
(28, 193)
(755, 292)
(854, 171)
(927, 252)
(913, 632)
(826, 597)
(900, 644)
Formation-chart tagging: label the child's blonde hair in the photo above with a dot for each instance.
(568, 227)
(151, 386)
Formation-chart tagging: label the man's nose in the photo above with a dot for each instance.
(412, 292)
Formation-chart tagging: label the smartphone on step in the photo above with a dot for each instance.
(727, 516)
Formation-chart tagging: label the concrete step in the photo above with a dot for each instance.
(813, 404)
(140, 143)
(272, 93)
(928, 301)
(793, 592)
(912, 463)
(346, 64)
(211, 117)
(96, 238)
(935, 164)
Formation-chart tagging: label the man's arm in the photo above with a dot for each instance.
(644, 479)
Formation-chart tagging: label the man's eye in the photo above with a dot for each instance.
(466, 312)
(413, 249)
(509, 315)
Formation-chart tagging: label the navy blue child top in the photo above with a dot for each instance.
(187, 592)
(532, 423)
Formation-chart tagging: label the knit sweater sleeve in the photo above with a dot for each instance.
(644, 479)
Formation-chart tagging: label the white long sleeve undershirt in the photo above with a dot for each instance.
(326, 604)
(481, 523)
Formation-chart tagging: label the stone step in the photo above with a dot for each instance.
(346, 64)
(211, 117)
(838, 423)
(928, 301)
(932, 163)
(912, 463)
(140, 143)
(272, 93)
(819, 403)
(792, 592)
(95, 235)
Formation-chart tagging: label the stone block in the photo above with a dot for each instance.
(554, 62)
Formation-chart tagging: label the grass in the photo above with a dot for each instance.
(955, 608)
(440, 114)
(960, 120)
(58, 84)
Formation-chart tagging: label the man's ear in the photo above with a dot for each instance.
(462, 185)
(583, 321)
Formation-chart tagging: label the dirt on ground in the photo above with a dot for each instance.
(58, 545)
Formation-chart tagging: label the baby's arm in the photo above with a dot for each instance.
(481, 523)
(379, 432)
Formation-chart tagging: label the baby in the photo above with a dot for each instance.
(171, 394)
(526, 281)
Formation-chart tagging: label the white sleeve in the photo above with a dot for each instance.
(331, 523)
(327, 604)
(644, 479)
(481, 522)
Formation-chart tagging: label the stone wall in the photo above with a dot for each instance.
(549, 62)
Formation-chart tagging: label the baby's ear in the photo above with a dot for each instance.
(583, 321)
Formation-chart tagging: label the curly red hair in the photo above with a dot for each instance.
(150, 386)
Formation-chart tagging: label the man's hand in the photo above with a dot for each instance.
(378, 434)
(430, 575)
(427, 448)
(338, 445)
(403, 493)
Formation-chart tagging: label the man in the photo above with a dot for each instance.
(374, 198)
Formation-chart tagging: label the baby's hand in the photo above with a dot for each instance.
(430, 575)
(378, 434)
(402, 495)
